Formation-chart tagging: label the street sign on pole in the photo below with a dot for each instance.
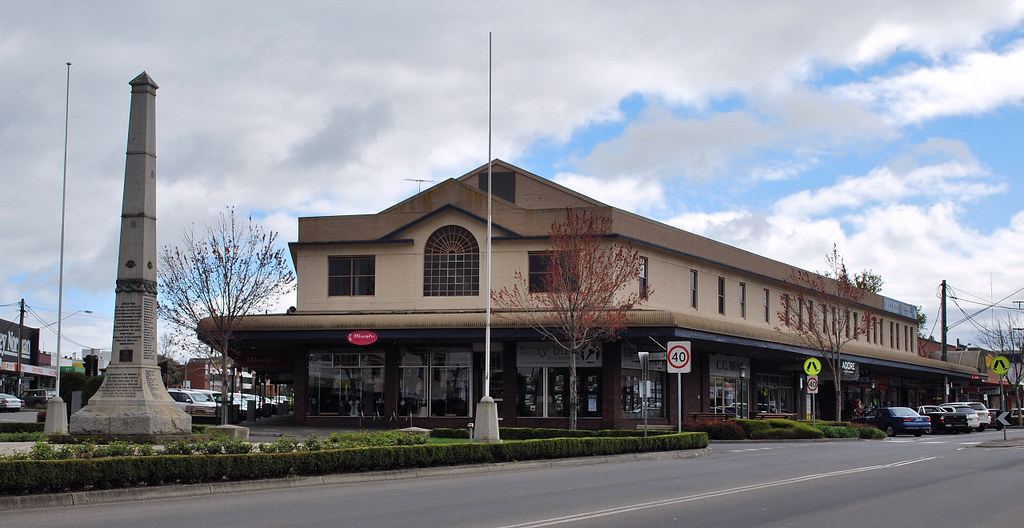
(812, 367)
(1001, 365)
(679, 356)
(812, 384)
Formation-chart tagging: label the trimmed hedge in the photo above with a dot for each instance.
(21, 427)
(778, 429)
(35, 476)
(533, 433)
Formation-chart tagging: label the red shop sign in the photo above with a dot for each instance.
(362, 337)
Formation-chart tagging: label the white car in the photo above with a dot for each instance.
(973, 420)
(194, 403)
(984, 416)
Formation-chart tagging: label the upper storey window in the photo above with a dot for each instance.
(350, 276)
(451, 263)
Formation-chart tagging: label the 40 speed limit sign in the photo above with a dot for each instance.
(812, 384)
(679, 356)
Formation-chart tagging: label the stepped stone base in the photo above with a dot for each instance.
(151, 421)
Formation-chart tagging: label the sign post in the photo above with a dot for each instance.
(812, 389)
(1001, 366)
(679, 361)
(812, 367)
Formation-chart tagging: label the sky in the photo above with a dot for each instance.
(892, 130)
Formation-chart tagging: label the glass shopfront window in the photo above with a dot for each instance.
(775, 394)
(346, 383)
(630, 385)
(543, 381)
(728, 385)
(435, 382)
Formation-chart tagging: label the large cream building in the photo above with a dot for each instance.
(388, 328)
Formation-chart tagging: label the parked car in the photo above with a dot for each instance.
(896, 420)
(973, 420)
(37, 397)
(10, 402)
(944, 421)
(194, 403)
(984, 416)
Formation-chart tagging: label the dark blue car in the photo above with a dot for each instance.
(896, 420)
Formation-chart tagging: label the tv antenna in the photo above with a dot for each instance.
(419, 183)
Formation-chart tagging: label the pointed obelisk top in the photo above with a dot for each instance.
(143, 82)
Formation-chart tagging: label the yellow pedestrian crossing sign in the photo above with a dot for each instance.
(812, 366)
(1000, 365)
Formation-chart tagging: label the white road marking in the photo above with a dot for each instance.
(707, 495)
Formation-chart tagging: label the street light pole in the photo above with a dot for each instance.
(56, 412)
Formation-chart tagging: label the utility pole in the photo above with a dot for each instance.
(21, 324)
(942, 314)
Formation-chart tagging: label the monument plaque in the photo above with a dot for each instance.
(132, 402)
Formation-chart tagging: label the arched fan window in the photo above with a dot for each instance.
(451, 263)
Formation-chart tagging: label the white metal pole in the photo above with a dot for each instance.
(679, 399)
(63, 208)
(487, 316)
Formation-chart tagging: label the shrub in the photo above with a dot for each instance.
(717, 429)
(869, 432)
(778, 429)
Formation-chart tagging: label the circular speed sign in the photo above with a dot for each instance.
(678, 356)
(812, 384)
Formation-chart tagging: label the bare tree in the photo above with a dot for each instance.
(835, 316)
(218, 277)
(574, 294)
(1007, 339)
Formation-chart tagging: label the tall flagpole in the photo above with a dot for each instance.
(486, 429)
(56, 412)
(487, 330)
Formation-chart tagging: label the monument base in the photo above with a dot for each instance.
(152, 421)
(486, 429)
(56, 417)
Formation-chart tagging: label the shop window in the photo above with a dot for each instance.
(351, 275)
(774, 394)
(722, 395)
(346, 383)
(631, 382)
(544, 392)
(435, 383)
(451, 263)
(542, 378)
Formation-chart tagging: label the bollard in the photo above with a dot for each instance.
(469, 427)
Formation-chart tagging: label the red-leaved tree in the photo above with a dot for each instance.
(825, 312)
(576, 293)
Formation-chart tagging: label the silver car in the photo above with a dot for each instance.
(10, 402)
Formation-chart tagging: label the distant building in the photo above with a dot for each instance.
(389, 323)
(36, 371)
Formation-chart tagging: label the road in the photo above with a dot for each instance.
(936, 481)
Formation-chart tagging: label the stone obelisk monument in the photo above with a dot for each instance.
(132, 403)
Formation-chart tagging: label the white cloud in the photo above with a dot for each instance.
(973, 83)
